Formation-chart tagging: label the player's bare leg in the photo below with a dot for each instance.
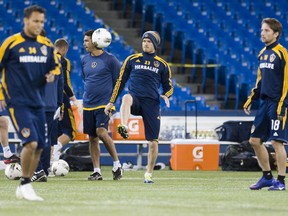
(9, 157)
(94, 149)
(102, 133)
(125, 111)
(152, 157)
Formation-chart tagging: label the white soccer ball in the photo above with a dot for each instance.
(101, 38)
(13, 171)
(60, 168)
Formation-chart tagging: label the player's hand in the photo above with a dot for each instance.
(3, 105)
(248, 110)
(166, 99)
(50, 77)
(108, 108)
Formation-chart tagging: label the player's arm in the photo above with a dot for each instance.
(255, 94)
(55, 67)
(60, 88)
(4, 55)
(166, 80)
(120, 84)
(67, 82)
(115, 68)
(66, 65)
(5, 51)
(121, 81)
(283, 103)
(3, 104)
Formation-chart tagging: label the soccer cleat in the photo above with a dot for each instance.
(148, 178)
(117, 175)
(39, 176)
(95, 176)
(277, 186)
(27, 192)
(263, 182)
(123, 131)
(12, 159)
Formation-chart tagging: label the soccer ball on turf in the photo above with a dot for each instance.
(101, 38)
(60, 168)
(13, 171)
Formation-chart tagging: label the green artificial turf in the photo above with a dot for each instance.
(173, 193)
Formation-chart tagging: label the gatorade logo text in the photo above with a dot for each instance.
(133, 126)
(197, 153)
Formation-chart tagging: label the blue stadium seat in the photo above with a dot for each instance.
(213, 31)
(148, 8)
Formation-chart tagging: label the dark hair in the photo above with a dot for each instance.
(61, 42)
(33, 8)
(274, 24)
(89, 33)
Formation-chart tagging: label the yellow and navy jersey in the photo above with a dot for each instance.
(24, 62)
(54, 93)
(146, 73)
(99, 74)
(66, 66)
(272, 77)
(67, 88)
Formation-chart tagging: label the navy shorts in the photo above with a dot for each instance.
(266, 125)
(93, 119)
(67, 124)
(149, 109)
(30, 124)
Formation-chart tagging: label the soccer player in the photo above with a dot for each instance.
(27, 62)
(100, 70)
(67, 127)
(9, 157)
(270, 121)
(53, 100)
(146, 71)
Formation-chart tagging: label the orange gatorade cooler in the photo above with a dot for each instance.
(135, 127)
(79, 124)
(194, 154)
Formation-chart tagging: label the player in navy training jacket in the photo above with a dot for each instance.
(146, 73)
(53, 99)
(27, 62)
(270, 120)
(67, 126)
